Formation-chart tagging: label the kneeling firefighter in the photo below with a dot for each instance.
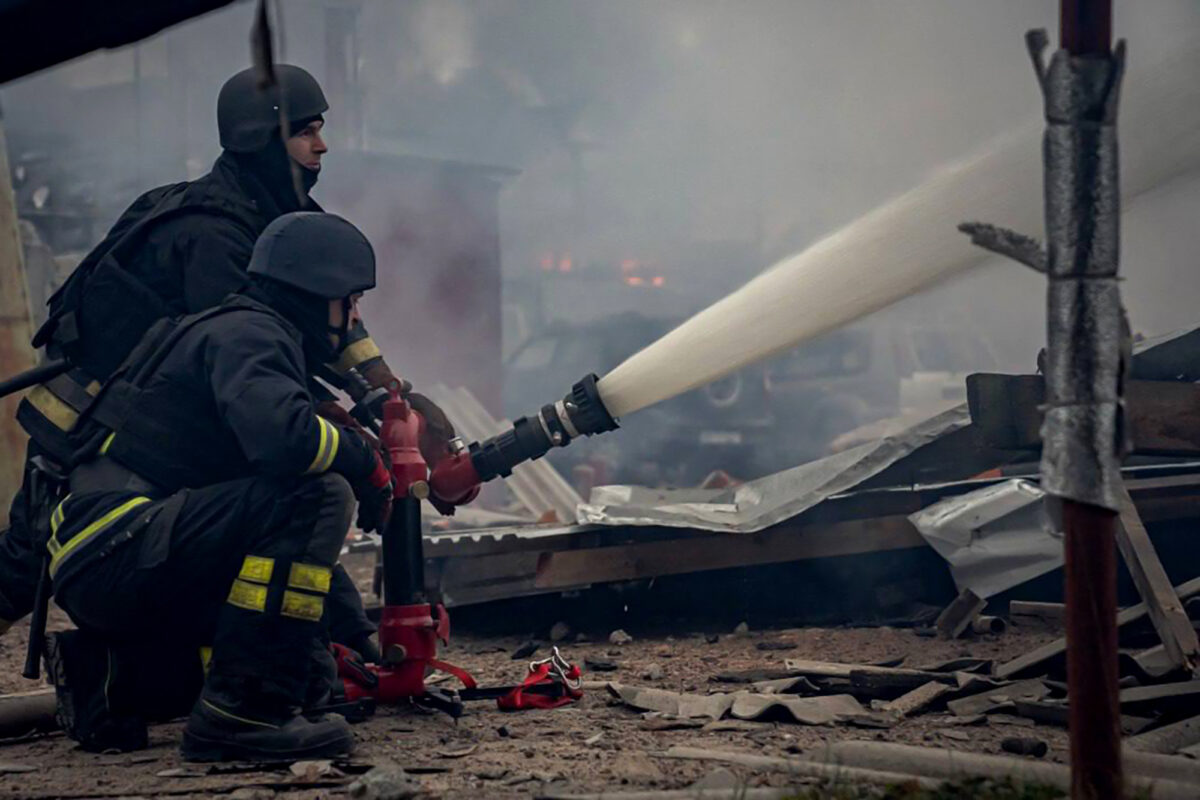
(180, 249)
(210, 505)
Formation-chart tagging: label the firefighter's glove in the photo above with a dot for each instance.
(366, 648)
(335, 413)
(352, 667)
(437, 431)
(374, 494)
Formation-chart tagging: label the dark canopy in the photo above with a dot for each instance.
(36, 34)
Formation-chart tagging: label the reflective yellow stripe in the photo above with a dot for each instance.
(327, 447)
(61, 415)
(249, 596)
(302, 606)
(257, 569)
(334, 440)
(225, 713)
(108, 440)
(356, 353)
(56, 519)
(57, 554)
(311, 577)
(205, 658)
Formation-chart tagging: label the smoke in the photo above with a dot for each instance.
(690, 141)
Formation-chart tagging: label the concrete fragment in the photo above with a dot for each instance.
(385, 783)
(619, 637)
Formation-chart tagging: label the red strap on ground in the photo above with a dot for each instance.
(517, 700)
(453, 669)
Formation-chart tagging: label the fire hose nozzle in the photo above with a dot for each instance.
(580, 413)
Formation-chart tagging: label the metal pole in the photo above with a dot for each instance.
(1083, 433)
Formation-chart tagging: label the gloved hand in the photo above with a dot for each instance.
(350, 666)
(374, 494)
(437, 433)
(333, 411)
(365, 647)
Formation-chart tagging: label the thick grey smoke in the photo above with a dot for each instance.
(690, 141)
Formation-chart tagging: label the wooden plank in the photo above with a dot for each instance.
(956, 617)
(1164, 694)
(1034, 659)
(697, 553)
(1163, 416)
(917, 699)
(1165, 610)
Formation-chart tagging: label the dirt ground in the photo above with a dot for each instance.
(594, 745)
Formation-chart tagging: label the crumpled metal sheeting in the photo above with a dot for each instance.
(1083, 431)
(993, 538)
(763, 502)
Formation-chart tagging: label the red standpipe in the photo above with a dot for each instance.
(409, 629)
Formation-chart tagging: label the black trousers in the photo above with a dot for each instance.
(197, 575)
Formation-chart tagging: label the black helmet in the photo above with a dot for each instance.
(321, 254)
(247, 117)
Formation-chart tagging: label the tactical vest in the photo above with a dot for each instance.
(98, 316)
(170, 438)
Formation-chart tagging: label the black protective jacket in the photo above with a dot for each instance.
(186, 246)
(214, 397)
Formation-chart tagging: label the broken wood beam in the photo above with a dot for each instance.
(1163, 416)
(957, 617)
(1033, 660)
(1165, 610)
(917, 699)
(1171, 694)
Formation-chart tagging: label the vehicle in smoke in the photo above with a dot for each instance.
(760, 419)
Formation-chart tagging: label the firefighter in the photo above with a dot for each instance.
(211, 501)
(180, 249)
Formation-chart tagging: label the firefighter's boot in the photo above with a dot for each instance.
(221, 730)
(81, 667)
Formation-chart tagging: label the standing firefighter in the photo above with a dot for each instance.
(211, 501)
(180, 249)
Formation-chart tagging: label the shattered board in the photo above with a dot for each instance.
(761, 503)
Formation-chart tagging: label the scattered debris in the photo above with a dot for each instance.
(712, 638)
(10, 768)
(654, 721)
(491, 774)
(594, 664)
(779, 644)
(385, 783)
(179, 772)
(742, 629)
(1024, 746)
(654, 672)
(312, 770)
(559, 631)
(719, 778)
(594, 738)
(824, 710)
(526, 650)
(1005, 697)
(619, 637)
(954, 621)
(458, 752)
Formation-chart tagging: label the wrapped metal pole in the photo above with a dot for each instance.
(1087, 349)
